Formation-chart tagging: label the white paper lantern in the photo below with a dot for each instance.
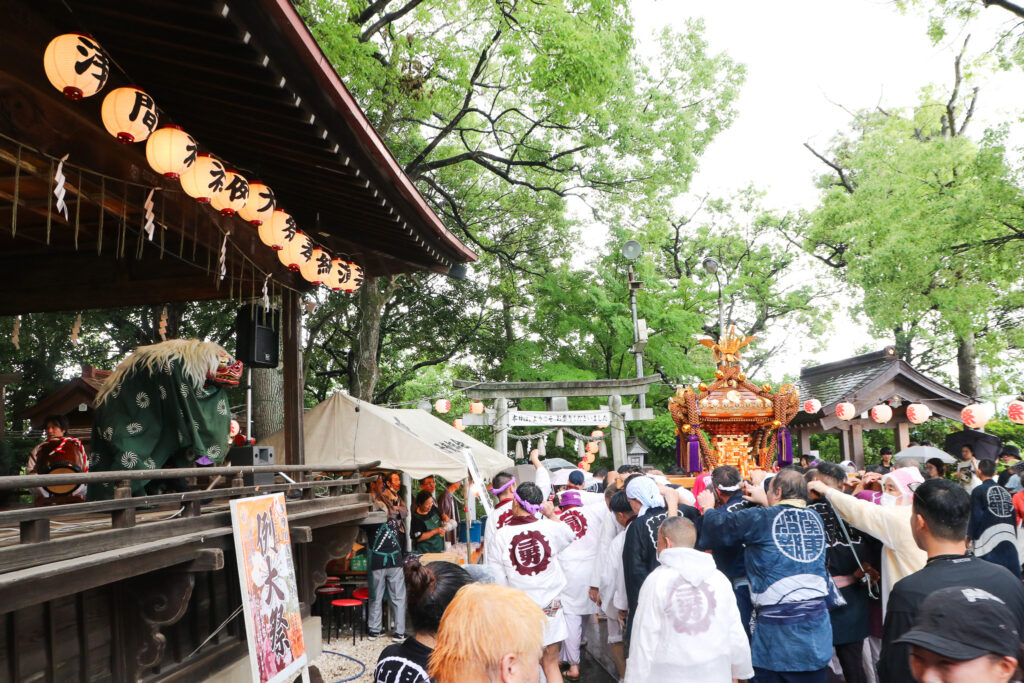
(235, 428)
(442, 405)
(76, 65)
(318, 267)
(234, 194)
(457, 423)
(274, 233)
(476, 407)
(592, 447)
(881, 413)
(918, 413)
(354, 278)
(597, 434)
(332, 281)
(812, 406)
(204, 178)
(1015, 412)
(296, 252)
(170, 151)
(975, 416)
(845, 411)
(260, 207)
(129, 114)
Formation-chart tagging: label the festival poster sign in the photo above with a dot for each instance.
(270, 596)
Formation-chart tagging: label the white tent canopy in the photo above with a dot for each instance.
(345, 431)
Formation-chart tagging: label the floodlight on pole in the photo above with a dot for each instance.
(631, 250)
(711, 267)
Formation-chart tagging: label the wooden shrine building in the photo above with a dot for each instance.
(865, 381)
(74, 400)
(130, 589)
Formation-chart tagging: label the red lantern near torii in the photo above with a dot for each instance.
(748, 423)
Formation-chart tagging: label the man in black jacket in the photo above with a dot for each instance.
(939, 524)
(640, 550)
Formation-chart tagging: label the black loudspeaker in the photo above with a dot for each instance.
(245, 456)
(257, 336)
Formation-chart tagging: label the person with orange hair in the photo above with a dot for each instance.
(510, 651)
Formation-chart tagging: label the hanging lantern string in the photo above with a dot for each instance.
(127, 184)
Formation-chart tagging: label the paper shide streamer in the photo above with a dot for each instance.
(59, 190)
(148, 205)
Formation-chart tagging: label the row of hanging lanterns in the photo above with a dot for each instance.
(76, 65)
(975, 416)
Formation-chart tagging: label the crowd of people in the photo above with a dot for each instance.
(814, 573)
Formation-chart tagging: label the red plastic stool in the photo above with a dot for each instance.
(352, 607)
(361, 593)
(324, 595)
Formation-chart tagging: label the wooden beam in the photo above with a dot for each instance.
(291, 326)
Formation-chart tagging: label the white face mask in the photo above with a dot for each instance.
(888, 500)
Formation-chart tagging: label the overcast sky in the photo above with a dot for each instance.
(803, 59)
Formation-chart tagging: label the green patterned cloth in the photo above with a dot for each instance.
(155, 420)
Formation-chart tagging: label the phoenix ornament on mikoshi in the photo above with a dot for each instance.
(748, 424)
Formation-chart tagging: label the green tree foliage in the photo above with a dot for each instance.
(951, 17)
(502, 112)
(927, 223)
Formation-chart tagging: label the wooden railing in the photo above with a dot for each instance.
(35, 523)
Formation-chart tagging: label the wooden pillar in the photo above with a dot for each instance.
(857, 444)
(501, 425)
(901, 438)
(618, 425)
(844, 442)
(805, 441)
(291, 327)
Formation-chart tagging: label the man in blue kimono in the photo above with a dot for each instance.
(727, 492)
(993, 526)
(791, 641)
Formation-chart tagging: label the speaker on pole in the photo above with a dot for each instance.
(258, 336)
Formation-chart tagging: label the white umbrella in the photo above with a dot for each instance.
(921, 454)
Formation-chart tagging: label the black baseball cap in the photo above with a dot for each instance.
(964, 623)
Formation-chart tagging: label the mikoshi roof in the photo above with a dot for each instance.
(346, 431)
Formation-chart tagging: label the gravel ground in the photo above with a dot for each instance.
(334, 668)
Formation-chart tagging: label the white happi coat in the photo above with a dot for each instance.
(578, 559)
(499, 518)
(687, 625)
(607, 565)
(618, 598)
(526, 557)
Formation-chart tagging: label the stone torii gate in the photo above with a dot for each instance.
(615, 414)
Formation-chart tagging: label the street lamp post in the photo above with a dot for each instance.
(711, 267)
(631, 249)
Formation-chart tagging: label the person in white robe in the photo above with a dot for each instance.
(504, 486)
(607, 573)
(687, 626)
(526, 556)
(576, 561)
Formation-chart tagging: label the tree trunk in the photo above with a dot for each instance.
(267, 402)
(363, 370)
(902, 342)
(966, 363)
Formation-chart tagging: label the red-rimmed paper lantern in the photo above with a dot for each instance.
(354, 279)
(318, 267)
(457, 423)
(845, 411)
(275, 232)
(593, 447)
(812, 406)
(260, 207)
(597, 434)
(589, 457)
(442, 405)
(918, 413)
(171, 151)
(333, 279)
(1015, 412)
(296, 252)
(235, 429)
(76, 65)
(203, 178)
(129, 114)
(584, 465)
(476, 407)
(602, 426)
(234, 194)
(881, 413)
(975, 416)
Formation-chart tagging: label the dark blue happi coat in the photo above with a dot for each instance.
(789, 583)
(993, 526)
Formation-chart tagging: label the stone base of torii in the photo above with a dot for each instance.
(616, 414)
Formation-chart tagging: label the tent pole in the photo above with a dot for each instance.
(468, 497)
(407, 483)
